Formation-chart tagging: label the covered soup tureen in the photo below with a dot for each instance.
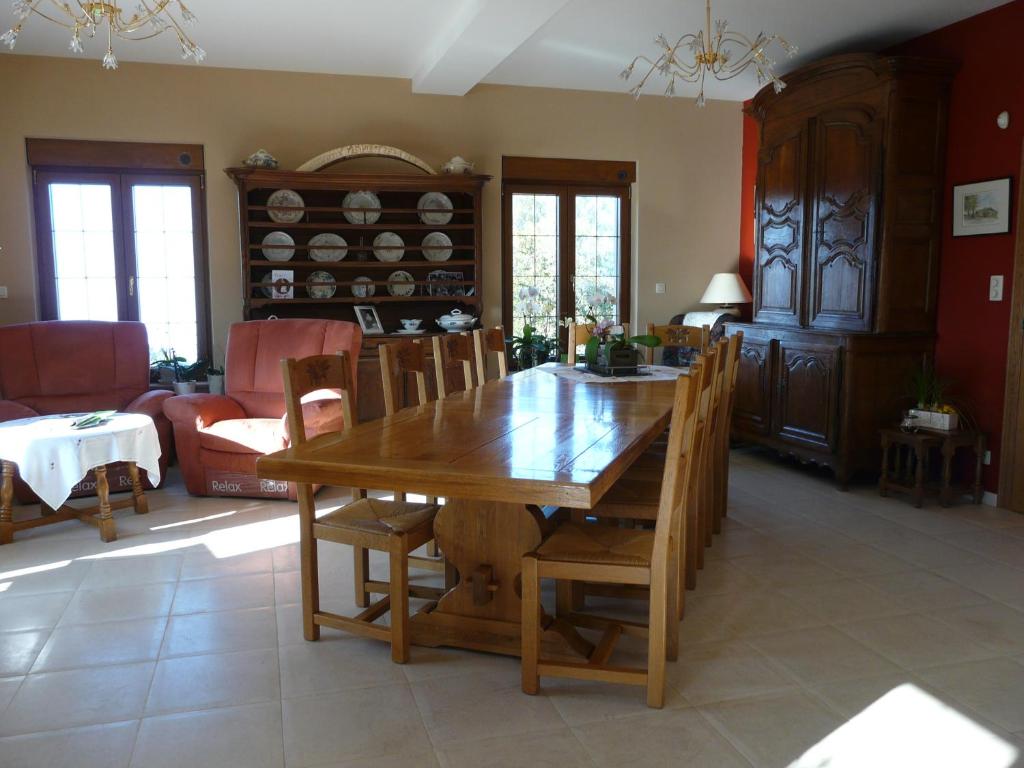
(456, 321)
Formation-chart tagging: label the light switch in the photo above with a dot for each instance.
(995, 288)
(659, 287)
(3, 291)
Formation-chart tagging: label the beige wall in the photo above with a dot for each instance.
(686, 200)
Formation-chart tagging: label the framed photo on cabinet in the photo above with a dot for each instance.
(368, 319)
(982, 208)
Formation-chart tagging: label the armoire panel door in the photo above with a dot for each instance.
(782, 169)
(752, 409)
(806, 406)
(844, 203)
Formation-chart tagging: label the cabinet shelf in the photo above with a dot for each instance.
(355, 264)
(368, 300)
(324, 225)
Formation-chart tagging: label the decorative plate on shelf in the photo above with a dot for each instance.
(362, 199)
(401, 283)
(437, 246)
(286, 198)
(435, 208)
(321, 291)
(278, 246)
(387, 246)
(363, 291)
(268, 285)
(414, 332)
(327, 246)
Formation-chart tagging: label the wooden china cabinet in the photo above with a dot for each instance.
(848, 230)
(323, 195)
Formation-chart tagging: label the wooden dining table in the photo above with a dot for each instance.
(503, 455)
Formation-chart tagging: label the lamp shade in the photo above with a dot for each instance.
(726, 288)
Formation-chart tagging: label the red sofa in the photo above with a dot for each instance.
(219, 437)
(65, 366)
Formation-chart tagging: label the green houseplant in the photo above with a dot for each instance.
(530, 348)
(608, 350)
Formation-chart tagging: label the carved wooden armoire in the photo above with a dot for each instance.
(848, 230)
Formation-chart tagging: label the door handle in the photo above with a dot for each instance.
(131, 285)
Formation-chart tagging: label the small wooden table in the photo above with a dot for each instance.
(497, 454)
(53, 456)
(910, 469)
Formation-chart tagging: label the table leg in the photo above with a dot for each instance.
(105, 517)
(6, 504)
(979, 458)
(946, 494)
(138, 495)
(919, 456)
(484, 541)
(883, 489)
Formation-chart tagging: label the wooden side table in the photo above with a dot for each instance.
(909, 471)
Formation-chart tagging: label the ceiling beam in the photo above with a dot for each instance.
(481, 36)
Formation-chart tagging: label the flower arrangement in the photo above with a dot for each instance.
(608, 345)
(933, 410)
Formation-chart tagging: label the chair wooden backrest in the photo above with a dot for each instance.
(579, 335)
(721, 459)
(310, 374)
(706, 378)
(397, 360)
(680, 468)
(490, 340)
(698, 337)
(449, 349)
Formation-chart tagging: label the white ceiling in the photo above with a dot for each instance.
(448, 46)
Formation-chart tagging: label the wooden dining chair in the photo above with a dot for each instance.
(692, 336)
(395, 527)
(708, 461)
(732, 368)
(490, 341)
(635, 497)
(639, 557)
(398, 361)
(452, 350)
(580, 334)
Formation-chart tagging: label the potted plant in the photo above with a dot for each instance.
(932, 411)
(162, 367)
(531, 348)
(609, 352)
(185, 375)
(215, 380)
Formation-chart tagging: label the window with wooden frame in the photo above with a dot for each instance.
(121, 235)
(565, 233)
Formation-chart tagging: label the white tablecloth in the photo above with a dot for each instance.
(650, 373)
(52, 457)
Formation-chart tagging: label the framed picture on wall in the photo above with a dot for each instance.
(368, 319)
(982, 208)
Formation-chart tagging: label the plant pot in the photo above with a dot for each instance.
(621, 361)
(184, 387)
(215, 381)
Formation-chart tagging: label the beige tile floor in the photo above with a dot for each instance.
(828, 628)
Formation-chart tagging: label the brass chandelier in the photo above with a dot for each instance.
(724, 54)
(151, 18)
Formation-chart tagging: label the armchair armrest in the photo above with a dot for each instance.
(321, 415)
(199, 411)
(150, 403)
(10, 410)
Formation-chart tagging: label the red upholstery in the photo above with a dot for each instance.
(62, 366)
(220, 437)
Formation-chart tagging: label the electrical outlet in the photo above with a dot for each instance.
(995, 288)
(987, 458)
(3, 291)
(659, 287)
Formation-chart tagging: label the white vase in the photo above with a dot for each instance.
(215, 381)
(184, 387)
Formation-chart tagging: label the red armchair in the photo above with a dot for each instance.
(220, 437)
(63, 366)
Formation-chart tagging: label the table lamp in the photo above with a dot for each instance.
(726, 289)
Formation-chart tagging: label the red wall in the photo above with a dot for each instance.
(972, 331)
(751, 140)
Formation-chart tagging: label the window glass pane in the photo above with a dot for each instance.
(162, 229)
(535, 262)
(598, 249)
(82, 229)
